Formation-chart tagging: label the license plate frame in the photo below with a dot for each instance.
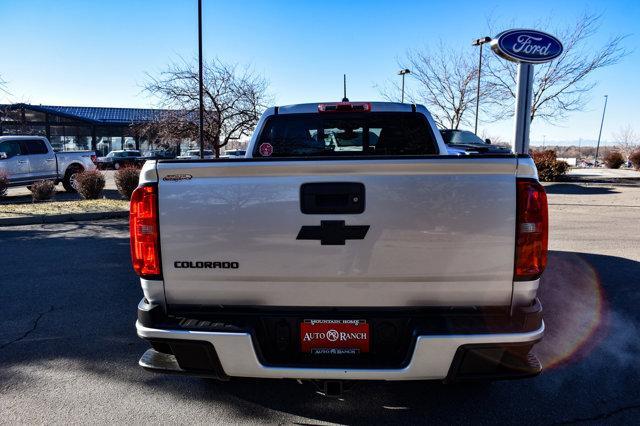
(335, 336)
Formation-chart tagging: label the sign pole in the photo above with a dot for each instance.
(525, 47)
(524, 94)
(595, 162)
(475, 129)
(200, 83)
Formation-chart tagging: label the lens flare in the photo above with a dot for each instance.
(574, 310)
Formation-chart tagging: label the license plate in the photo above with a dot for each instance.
(334, 337)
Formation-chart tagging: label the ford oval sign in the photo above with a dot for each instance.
(529, 46)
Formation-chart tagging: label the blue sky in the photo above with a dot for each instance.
(97, 53)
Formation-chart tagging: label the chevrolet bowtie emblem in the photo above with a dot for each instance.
(333, 232)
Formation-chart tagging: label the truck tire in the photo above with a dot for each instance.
(68, 182)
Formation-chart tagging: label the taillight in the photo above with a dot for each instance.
(93, 158)
(144, 231)
(345, 107)
(532, 223)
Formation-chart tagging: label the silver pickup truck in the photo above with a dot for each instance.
(27, 159)
(347, 245)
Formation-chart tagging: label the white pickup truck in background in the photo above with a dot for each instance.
(348, 245)
(27, 159)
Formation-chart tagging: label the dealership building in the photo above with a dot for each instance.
(78, 128)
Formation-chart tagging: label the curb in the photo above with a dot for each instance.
(62, 218)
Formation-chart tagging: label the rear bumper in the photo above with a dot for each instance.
(229, 351)
(432, 358)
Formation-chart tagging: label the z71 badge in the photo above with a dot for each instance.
(181, 176)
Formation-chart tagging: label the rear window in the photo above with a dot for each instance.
(336, 134)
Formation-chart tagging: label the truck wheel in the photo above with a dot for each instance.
(69, 180)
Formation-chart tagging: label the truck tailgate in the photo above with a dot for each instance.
(441, 232)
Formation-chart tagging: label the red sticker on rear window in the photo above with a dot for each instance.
(266, 149)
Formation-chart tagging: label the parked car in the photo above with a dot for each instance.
(158, 154)
(458, 151)
(194, 154)
(382, 260)
(120, 158)
(234, 153)
(470, 142)
(27, 159)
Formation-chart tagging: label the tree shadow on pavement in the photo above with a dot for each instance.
(69, 301)
(577, 189)
(630, 181)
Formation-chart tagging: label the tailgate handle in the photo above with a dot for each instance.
(332, 198)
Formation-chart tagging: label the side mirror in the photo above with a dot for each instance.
(488, 141)
(3, 156)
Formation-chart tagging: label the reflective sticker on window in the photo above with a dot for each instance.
(266, 149)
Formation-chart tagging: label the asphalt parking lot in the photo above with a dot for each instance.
(68, 349)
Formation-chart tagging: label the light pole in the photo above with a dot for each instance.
(595, 162)
(200, 84)
(544, 141)
(403, 73)
(479, 42)
(579, 149)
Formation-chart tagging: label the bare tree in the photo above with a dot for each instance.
(3, 86)
(495, 139)
(168, 127)
(627, 140)
(446, 83)
(234, 98)
(562, 85)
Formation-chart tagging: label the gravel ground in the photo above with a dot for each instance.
(18, 202)
(61, 207)
(22, 191)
